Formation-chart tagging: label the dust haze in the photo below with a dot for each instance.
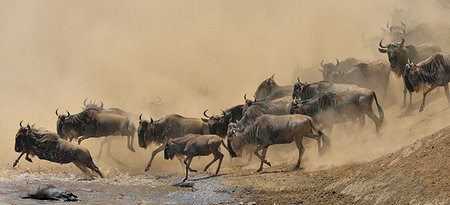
(159, 58)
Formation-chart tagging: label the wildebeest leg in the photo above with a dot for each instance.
(156, 151)
(217, 155)
(93, 167)
(187, 161)
(425, 95)
(102, 144)
(28, 158)
(262, 157)
(404, 95)
(184, 162)
(18, 158)
(301, 150)
(130, 143)
(410, 99)
(83, 168)
(447, 93)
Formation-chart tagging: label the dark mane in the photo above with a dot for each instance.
(313, 90)
(319, 103)
(82, 118)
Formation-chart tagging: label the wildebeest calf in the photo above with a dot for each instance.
(195, 145)
(49, 146)
(432, 72)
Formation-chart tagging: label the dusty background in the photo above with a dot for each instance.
(194, 56)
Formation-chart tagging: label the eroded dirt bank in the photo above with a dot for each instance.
(416, 174)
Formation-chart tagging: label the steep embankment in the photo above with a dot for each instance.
(416, 174)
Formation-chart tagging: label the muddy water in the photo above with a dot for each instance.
(115, 189)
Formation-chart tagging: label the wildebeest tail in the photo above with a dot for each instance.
(326, 143)
(380, 110)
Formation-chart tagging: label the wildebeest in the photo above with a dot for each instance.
(331, 108)
(50, 192)
(93, 123)
(270, 90)
(428, 74)
(218, 124)
(169, 127)
(306, 91)
(280, 106)
(328, 69)
(370, 75)
(49, 146)
(270, 129)
(194, 145)
(398, 57)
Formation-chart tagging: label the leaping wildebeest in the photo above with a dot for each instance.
(270, 129)
(169, 127)
(399, 54)
(49, 146)
(93, 123)
(194, 145)
(428, 74)
(270, 90)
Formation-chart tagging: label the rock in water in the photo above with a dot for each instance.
(50, 192)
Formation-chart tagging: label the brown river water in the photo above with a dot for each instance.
(115, 189)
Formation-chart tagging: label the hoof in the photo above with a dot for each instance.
(259, 170)
(29, 159)
(193, 170)
(132, 149)
(147, 168)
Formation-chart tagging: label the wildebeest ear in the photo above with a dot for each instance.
(204, 120)
(382, 50)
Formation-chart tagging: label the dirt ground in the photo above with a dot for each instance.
(416, 174)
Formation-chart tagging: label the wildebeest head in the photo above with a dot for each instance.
(410, 76)
(265, 88)
(217, 123)
(298, 88)
(328, 69)
(169, 150)
(234, 138)
(394, 52)
(68, 126)
(24, 138)
(145, 130)
(92, 105)
(296, 107)
(247, 103)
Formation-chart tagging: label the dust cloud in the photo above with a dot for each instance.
(159, 58)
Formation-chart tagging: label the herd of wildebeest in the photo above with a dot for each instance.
(277, 115)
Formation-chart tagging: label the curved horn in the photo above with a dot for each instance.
(20, 123)
(223, 112)
(387, 25)
(204, 113)
(101, 105)
(245, 96)
(298, 79)
(84, 102)
(403, 41)
(321, 63)
(28, 126)
(409, 61)
(272, 76)
(337, 62)
(381, 44)
(151, 120)
(140, 117)
(57, 112)
(68, 113)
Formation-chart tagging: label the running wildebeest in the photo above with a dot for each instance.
(49, 146)
(93, 123)
(399, 54)
(169, 127)
(306, 91)
(218, 124)
(270, 129)
(428, 74)
(330, 108)
(270, 90)
(194, 145)
(280, 106)
(328, 69)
